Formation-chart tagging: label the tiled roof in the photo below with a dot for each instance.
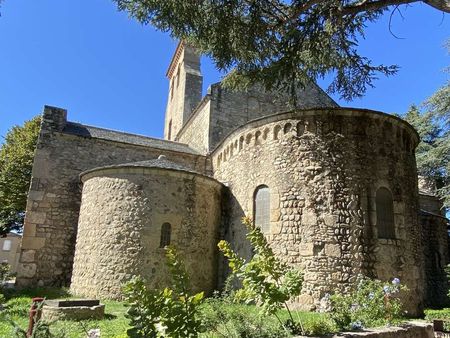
(118, 136)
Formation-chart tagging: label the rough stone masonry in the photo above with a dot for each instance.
(335, 191)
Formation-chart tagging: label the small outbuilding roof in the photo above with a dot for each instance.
(161, 162)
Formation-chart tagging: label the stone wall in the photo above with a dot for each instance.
(232, 109)
(63, 151)
(323, 168)
(126, 208)
(222, 111)
(196, 131)
(435, 239)
(185, 89)
(10, 253)
(413, 329)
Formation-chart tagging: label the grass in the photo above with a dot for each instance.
(114, 325)
(223, 319)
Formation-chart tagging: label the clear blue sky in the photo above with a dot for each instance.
(109, 71)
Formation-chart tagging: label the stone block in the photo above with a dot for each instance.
(306, 249)
(36, 195)
(309, 218)
(33, 243)
(26, 270)
(54, 313)
(29, 229)
(275, 227)
(36, 217)
(330, 220)
(27, 256)
(333, 250)
(274, 215)
(305, 302)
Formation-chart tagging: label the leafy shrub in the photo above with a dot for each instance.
(373, 303)
(4, 272)
(19, 306)
(4, 275)
(266, 281)
(318, 325)
(41, 327)
(225, 319)
(442, 314)
(169, 312)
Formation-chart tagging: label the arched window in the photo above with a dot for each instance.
(385, 214)
(166, 230)
(261, 208)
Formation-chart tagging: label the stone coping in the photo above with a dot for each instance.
(322, 111)
(54, 313)
(72, 302)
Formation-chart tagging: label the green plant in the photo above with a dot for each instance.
(442, 314)
(41, 328)
(4, 275)
(169, 312)
(266, 281)
(372, 303)
(5, 272)
(225, 319)
(16, 162)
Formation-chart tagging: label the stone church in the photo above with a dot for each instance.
(335, 191)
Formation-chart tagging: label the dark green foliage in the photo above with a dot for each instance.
(442, 314)
(433, 126)
(279, 43)
(447, 274)
(4, 272)
(433, 152)
(16, 162)
(4, 276)
(164, 313)
(373, 303)
(266, 281)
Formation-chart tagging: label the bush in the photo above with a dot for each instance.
(266, 281)
(4, 272)
(19, 306)
(4, 275)
(373, 303)
(443, 314)
(169, 312)
(224, 319)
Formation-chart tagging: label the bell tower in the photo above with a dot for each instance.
(185, 89)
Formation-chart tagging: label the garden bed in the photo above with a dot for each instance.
(232, 321)
(222, 319)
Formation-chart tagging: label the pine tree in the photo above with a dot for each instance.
(278, 43)
(433, 152)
